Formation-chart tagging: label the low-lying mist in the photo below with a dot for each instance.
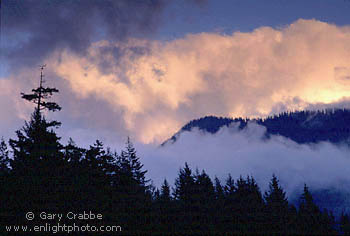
(321, 166)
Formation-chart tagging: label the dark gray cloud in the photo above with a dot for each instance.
(200, 3)
(116, 57)
(31, 29)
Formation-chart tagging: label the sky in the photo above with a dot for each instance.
(145, 68)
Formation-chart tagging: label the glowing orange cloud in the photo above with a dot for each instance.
(161, 85)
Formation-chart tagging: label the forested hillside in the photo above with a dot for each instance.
(332, 125)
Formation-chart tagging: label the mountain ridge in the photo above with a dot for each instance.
(303, 127)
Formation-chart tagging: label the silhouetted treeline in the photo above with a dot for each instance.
(114, 185)
(331, 125)
(39, 174)
(45, 176)
(199, 206)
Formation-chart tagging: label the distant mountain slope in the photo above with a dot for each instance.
(331, 125)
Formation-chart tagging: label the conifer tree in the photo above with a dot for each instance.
(293, 224)
(37, 165)
(4, 173)
(309, 216)
(132, 187)
(72, 153)
(275, 197)
(41, 94)
(219, 190)
(230, 209)
(204, 187)
(75, 173)
(165, 196)
(35, 141)
(184, 196)
(250, 205)
(219, 203)
(230, 187)
(4, 181)
(4, 158)
(131, 166)
(345, 223)
(98, 158)
(184, 185)
(165, 214)
(203, 204)
(97, 166)
(276, 207)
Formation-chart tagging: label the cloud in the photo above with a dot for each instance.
(8, 105)
(320, 166)
(156, 87)
(342, 74)
(200, 3)
(296, 103)
(13, 110)
(33, 29)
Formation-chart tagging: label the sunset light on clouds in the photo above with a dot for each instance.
(150, 87)
(243, 74)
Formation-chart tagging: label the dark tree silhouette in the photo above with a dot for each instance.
(230, 187)
(37, 164)
(184, 194)
(35, 140)
(219, 190)
(164, 210)
(131, 166)
(276, 207)
(165, 192)
(4, 158)
(184, 185)
(4, 182)
(345, 223)
(203, 204)
(250, 205)
(135, 194)
(311, 219)
(40, 94)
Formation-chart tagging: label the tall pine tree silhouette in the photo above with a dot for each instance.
(184, 195)
(133, 188)
(37, 163)
(35, 140)
(40, 94)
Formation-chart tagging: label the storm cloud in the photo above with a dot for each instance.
(32, 29)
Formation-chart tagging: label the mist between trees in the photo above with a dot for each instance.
(40, 174)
